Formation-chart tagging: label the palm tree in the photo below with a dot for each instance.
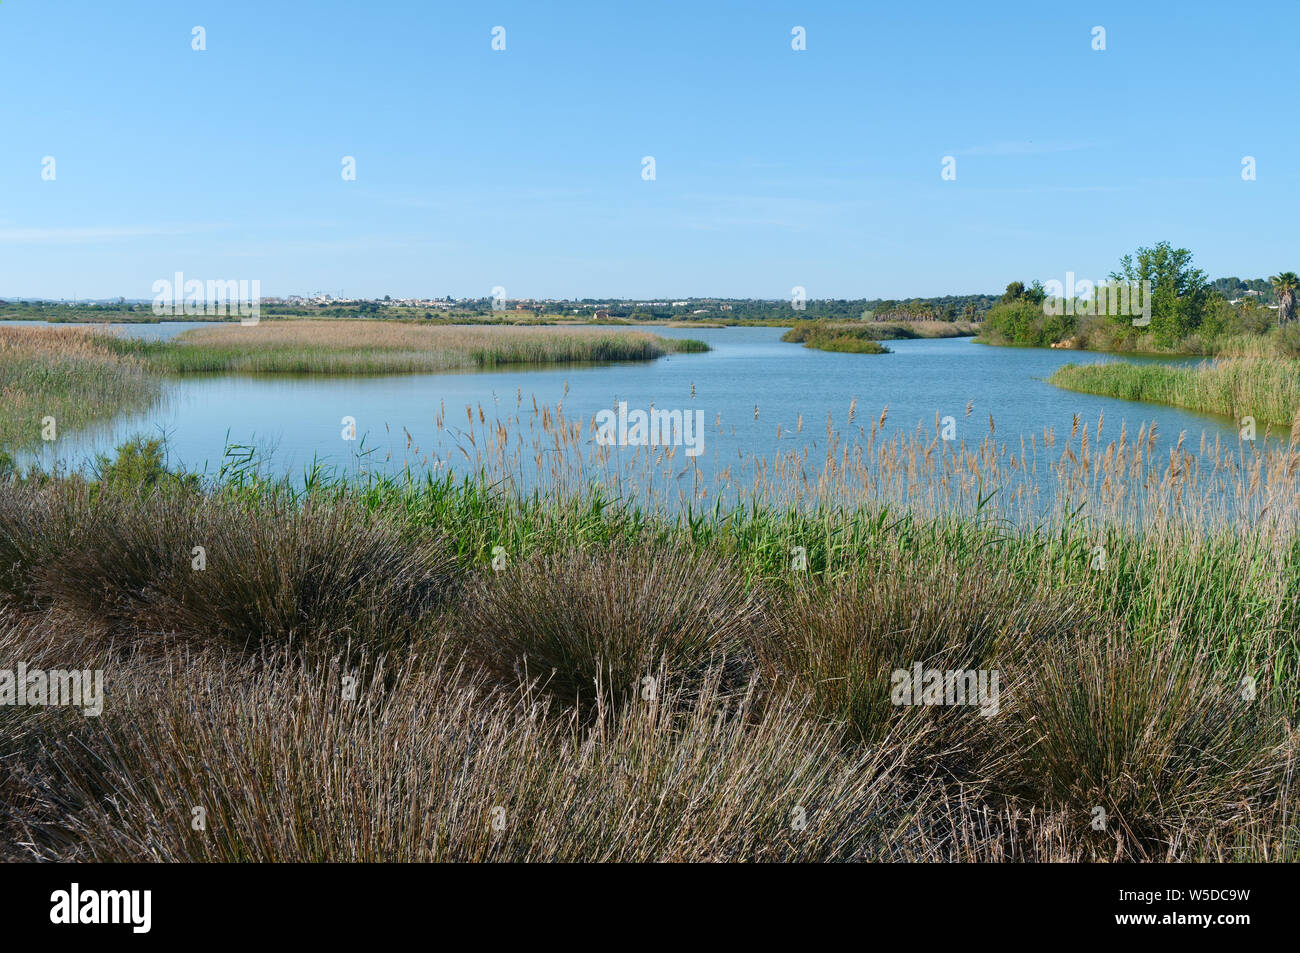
(1285, 286)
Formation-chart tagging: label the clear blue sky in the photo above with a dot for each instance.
(522, 168)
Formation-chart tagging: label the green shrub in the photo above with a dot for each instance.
(140, 464)
(1024, 324)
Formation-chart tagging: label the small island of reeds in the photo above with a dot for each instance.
(844, 339)
(386, 347)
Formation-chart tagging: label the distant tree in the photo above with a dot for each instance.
(1179, 292)
(1015, 291)
(1285, 286)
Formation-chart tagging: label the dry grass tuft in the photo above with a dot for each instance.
(601, 623)
(317, 576)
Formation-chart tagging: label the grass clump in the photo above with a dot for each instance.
(843, 639)
(38, 523)
(1144, 739)
(601, 623)
(151, 556)
(249, 574)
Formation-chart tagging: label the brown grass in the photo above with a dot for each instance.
(609, 618)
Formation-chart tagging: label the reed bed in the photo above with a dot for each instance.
(68, 374)
(848, 462)
(388, 347)
(1266, 389)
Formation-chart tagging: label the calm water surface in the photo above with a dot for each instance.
(294, 421)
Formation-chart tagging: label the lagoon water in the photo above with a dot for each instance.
(293, 421)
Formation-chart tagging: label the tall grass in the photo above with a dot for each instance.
(1268, 390)
(69, 374)
(844, 637)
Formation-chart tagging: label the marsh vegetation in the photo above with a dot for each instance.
(570, 675)
(71, 375)
(1266, 390)
(385, 347)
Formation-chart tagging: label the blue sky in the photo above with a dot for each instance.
(522, 168)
